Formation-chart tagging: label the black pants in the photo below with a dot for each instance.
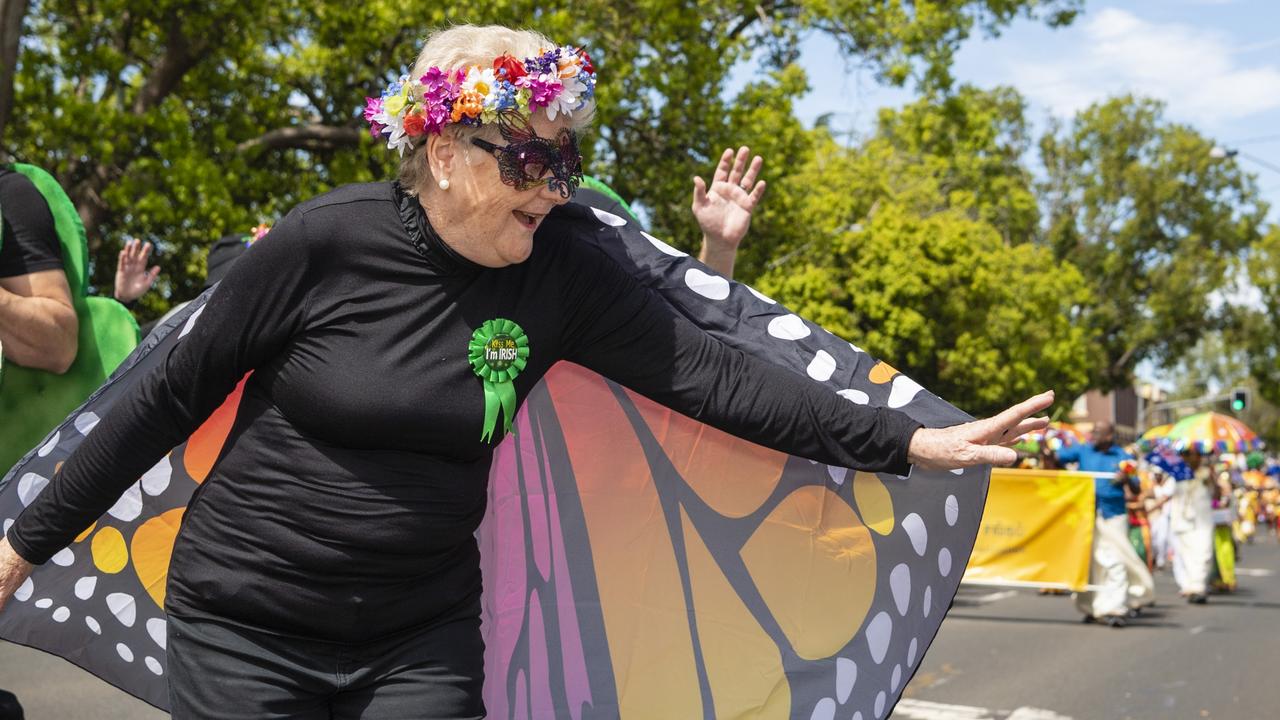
(224, 672)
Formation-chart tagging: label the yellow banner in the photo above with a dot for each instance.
(1037, 529)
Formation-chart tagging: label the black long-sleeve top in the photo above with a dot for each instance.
(345, 500)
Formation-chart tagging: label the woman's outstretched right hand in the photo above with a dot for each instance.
(13, 571)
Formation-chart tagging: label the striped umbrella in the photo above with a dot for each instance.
(1213, 432)
(1154, 436)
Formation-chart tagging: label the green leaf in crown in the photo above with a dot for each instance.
(498, 351)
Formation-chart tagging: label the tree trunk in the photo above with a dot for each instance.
(11, 14)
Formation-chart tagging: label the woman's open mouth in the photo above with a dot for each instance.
(528, 220)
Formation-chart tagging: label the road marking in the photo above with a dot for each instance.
(1026, 713)
(995, 596)
(1255, 572)
(925, 710)
(1197, 630)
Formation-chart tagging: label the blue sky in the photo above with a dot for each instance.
(1216, 63)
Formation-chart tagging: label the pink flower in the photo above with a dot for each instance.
(372, 106)
(543, 89)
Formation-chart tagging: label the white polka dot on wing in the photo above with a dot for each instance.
(153, 665)
(61, 614)
(93, 625)
(712, 287)
(44, 603)
(129, 506)
(951, 510)
(822, 367)
(64, 557)
(48, 447)
(123, 607)
(855, 396)
(927, 602)
(85, 422)
(157, 628)
(904, 391)
(29, 486)
(156, 480)
(895, 679)
(85, 586)
(880, 704)
(761, 296)
(8, 523)
(856, 348)
(957, 471)
(900, 585)
(846, 676)
(608, 218)
(824, 710)
(23, 593)
(838, 474)
(788, 327)
(911, 652)
(879, 632)
(913, 524)
(124, 652)
(944, 562)
(663, 247)
(191, 322)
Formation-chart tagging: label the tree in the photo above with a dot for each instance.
(1152, 221)
(974, 142)
(1254, 325)
(176, 122)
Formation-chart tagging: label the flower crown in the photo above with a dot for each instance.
(559, 81)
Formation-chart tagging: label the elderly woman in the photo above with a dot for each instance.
(327, 567)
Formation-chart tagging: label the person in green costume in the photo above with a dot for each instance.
(59, 343)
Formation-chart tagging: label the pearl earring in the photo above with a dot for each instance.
(444, 184)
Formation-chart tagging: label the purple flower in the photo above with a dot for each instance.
(547, 62)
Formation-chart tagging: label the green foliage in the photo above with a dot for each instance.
(1152, 221)
(973, 143)
(1255, 327)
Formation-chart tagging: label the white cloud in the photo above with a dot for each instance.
(1196, 70)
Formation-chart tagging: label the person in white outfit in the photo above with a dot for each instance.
(1163, 487)
(1191, 525)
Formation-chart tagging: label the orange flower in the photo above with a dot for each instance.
(468, 104)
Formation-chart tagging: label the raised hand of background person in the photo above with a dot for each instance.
(724, 210)
(133, 279)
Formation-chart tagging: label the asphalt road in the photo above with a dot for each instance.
(1001, 655)
(1017, 654)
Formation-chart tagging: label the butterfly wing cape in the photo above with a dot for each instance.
(636, 562)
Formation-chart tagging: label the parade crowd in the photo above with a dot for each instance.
(1165, 505)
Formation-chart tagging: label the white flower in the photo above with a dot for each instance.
(399, 141)
(480, 81)
(568, 99)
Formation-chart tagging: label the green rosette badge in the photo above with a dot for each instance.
(498, 351)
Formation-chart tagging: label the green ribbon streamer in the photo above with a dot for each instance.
(498, 351)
